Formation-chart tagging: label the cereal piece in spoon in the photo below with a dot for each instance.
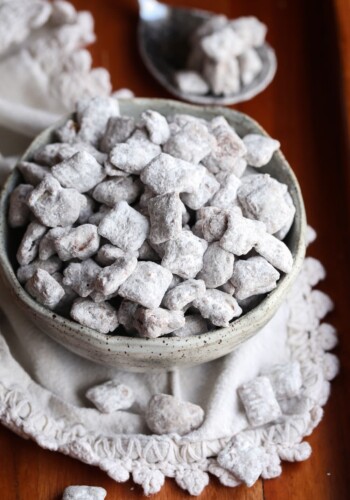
(191, 82)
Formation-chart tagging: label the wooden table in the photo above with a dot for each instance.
(305, 109)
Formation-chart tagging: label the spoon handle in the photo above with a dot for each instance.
(151, 10)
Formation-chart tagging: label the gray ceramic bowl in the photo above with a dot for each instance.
(135, 354)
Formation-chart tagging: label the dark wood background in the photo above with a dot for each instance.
(307, 108)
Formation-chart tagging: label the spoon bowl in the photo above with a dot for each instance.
(163, 36)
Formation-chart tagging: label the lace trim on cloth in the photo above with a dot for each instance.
(244, 457)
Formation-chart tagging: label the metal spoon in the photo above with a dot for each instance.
(163, 36)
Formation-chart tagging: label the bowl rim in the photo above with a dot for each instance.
(249, 322)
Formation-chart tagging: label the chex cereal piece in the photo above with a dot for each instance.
(250, 29)
(124, 227)
(87, 209)
(259, 149)
(111, 277)
(229, 148)
(191, 82)
(117, 189)
(113, 171)
(81, 172)
(194, 325)
(18, 210)
(47, 246)
(24, 273)
(226, 196)
(153, 323)
(98, 216)
(44, 288)
(126, 314)
(214, 223)
(166, 174)
(32, 173)
(147, 284)
(84, 493)
(166, 414)
(54, 206)
(67, 132)
(191, 143)
(108, 254)
(101, 317)
(156, 126)
(223, 76)
(253, 277)
(286, 380)
(241, 234)
(250, 66)
(79, 243)
(119, 129)
(259, 401)
(183, 294)
(81, 276)
(219, 307)
(111, 396)
(211, 25)
(68, 298)
(207, 187)
(263, 198)
(184, 256)
(282, 233)
(217, 266)
(53, 153)
(98, 297)
(28, 248)
(93, 115)
(275, 252)
(245, 459)
(132, 157)
(222, 44)
(165, 213)
(146, 252)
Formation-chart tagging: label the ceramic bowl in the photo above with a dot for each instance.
(136, 354)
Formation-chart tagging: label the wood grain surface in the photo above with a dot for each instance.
(307, 108)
